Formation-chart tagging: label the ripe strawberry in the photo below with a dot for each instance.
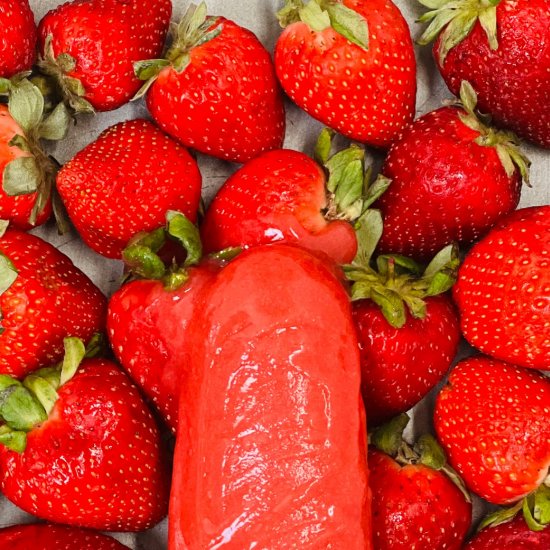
(503, 290)
(44, 299)
(349, 64)
(54, 537)
(124, 183)
(501, 48)
(216, 91)
(452, 178)
(492, 420)
(89, 47)
(18, 40)
(79, 446)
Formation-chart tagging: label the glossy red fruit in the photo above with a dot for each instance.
(89, 46)
(272, 428)
(54, 537)
(124, 183)
(503, 290)
(48, 299)
(364, 89)
(492, 420)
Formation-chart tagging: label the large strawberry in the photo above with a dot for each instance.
(216, 91)
(89, 47)
(79, 446)
(18, 40)
(124, 183)
(492, 420)
(503, 290)
(349, 64)
(284, 195)
(502, 47)
(44, 299)
(452, 178)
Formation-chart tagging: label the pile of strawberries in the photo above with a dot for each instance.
(280, 335)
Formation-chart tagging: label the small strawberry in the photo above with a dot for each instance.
(502, 48)
(492, 420)
(79, 446)
(503, 290)
(44, 298)
(124, 183)
(216, 91)
(452, 178)
(89, 47)
(349, 64)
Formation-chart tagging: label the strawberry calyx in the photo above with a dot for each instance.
(455, 19)
(323, 14)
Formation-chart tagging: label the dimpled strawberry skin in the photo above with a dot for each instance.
(492, 420)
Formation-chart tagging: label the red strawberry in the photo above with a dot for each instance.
(492, 420)
(45, 298)
(452, 178)
(124, 183)
(216, 91)
(503, 290)
(502, 48)
(82, 449)
(89, 47)
(54, 537)
(349, 64)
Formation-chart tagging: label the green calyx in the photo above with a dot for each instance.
(195, 29)
(456, 18)
(323, 14)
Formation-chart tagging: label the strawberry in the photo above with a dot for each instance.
(18, 41)
(452, 178)
(503, 290)
(492, 420)
(501, 48)
(349, 64)
(284, 195)
(54, 537)
(418, 501)
(89, 47)
(79, 446)
(113, 190)
(216, 91)
(44, 299)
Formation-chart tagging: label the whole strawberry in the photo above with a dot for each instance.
(501, 48)
(89, 47)
(216, 91)
(124, 183)
(452, 178)
(18, 40)
(44, 298)
(503, 290)
(514, 535)
(349, 64)
(492, 420)
(79, 446)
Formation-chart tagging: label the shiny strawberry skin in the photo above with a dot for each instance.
(97, 461)
(18, 40)
(54, 537)
(279, 196)
(512, 82)
(503, 290)
(368, 96)
(415, 507)
(106, 37)
(112, 190)
(50, 300)
(445, 187)
(401, 365)
(492, 420)
(227, 102)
